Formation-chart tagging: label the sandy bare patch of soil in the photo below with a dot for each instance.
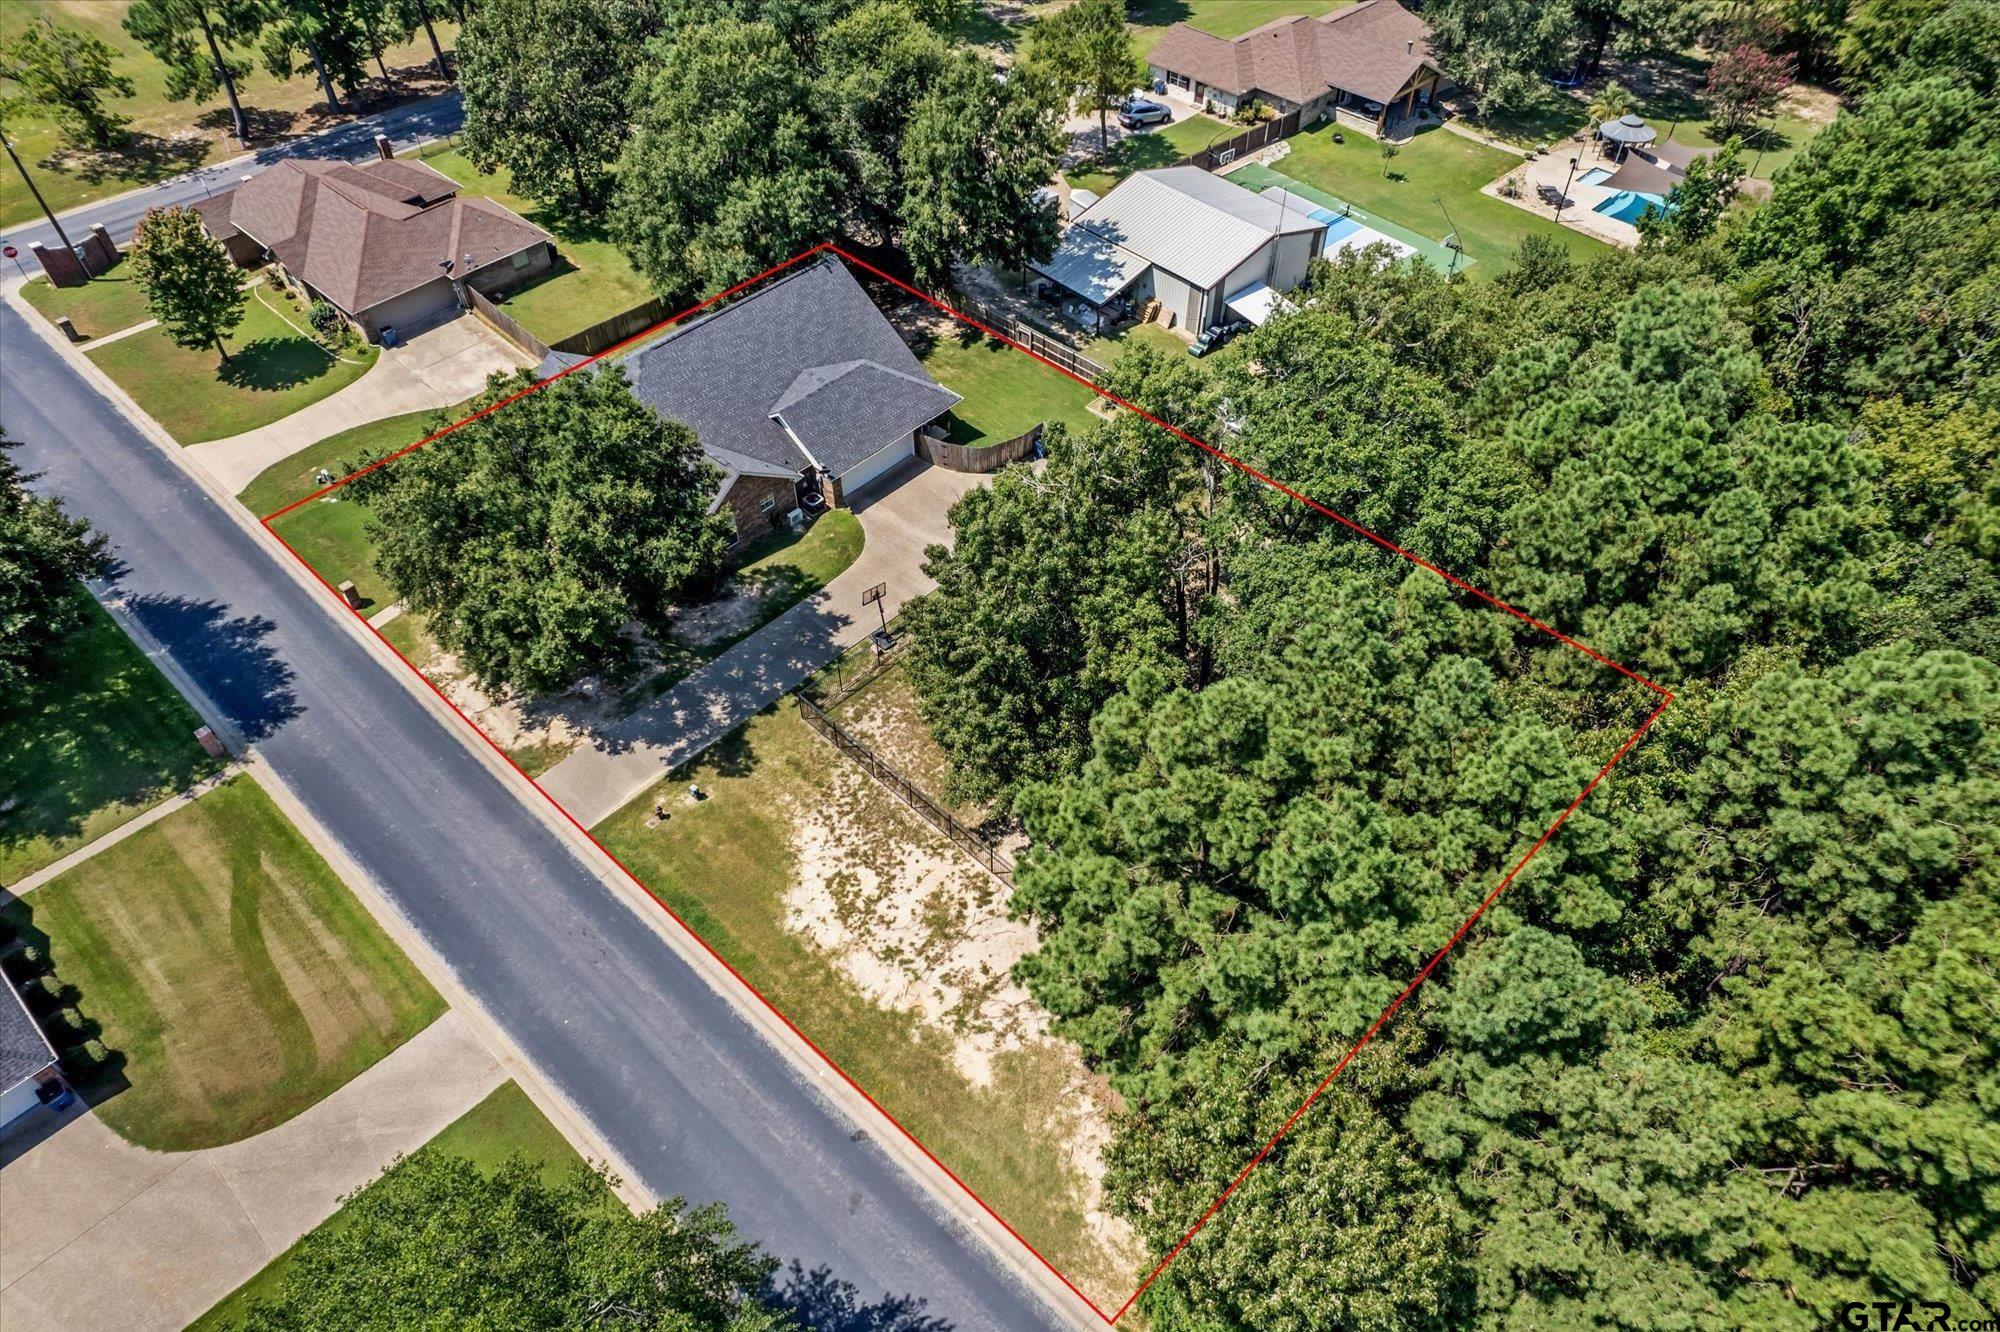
(918, 928)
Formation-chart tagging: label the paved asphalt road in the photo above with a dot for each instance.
(413, 122)
(695, 1100)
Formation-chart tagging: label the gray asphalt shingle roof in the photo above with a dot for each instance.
(809, 348)
(24, 1051)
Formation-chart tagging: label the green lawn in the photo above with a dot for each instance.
(105, 304)
(273, 371)
(1159, 337)
(1225, 18)
(1436, 174)
(83, 751)
(166, 137)
(1006, 391)
(727, 863)
(296, 477)
(236, 977)
(330, 534)
(504, 1125)
(593, 280)
(1154, 148)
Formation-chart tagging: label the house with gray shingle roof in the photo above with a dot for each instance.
(27, 1063)
(380, 241)
(1371, 60)
(800, 391)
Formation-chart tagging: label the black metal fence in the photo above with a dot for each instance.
(989, 856)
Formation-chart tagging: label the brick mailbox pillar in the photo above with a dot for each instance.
(210, 742)
(63, 267)
(99, 252)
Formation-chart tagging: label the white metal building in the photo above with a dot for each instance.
(1205, 249)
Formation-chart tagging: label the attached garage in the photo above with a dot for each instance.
(875, 464)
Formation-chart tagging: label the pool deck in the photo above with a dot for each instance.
(1553, 170)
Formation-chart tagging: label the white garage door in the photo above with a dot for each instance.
(859, 475)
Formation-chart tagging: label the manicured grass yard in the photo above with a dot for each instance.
(1157, 147)
(281, 483)
(273, 371)
(726, 865)
(503, 1125)
(1006, 391)
(1225, 18)
(331, 532)
(1160, 338)
(1436, 165)
(237, 976)
(592, 280)
(86, 749)
(105, 304)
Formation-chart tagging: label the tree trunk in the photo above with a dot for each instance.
(374, 48)
(1103, 132)
(325, 83)
(222, 69)
(424, 11)
(221, 351)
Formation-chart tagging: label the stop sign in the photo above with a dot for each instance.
(9, 251)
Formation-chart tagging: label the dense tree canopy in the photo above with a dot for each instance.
(756, 137)
(545, 92)
(1723, 1055)
(532, 536)
(43, 551)
(439, 1242)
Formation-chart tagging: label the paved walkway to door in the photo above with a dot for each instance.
(98, 1233)
(441, 366)
(900, 516)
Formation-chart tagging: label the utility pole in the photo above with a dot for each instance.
(29, 181)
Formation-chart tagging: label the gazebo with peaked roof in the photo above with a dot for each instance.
(1626, 132)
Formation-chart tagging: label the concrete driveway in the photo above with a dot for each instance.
(440, 366)
(98, 1233)
(900, 515)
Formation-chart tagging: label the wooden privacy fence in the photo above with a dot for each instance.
(614, 330)
(503, 323)
(1222, 154)
(991, 858)
(978, 457)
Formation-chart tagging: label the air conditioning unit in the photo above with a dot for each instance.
(795, 519)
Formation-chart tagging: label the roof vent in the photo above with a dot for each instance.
(1410, 47)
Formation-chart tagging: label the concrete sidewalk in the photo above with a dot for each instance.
(98, 1233)
(441, 366)
(899, 518)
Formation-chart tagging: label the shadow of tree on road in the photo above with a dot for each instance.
(825, 1303)
(240, 671)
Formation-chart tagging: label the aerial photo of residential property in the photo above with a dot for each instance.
(999, 665)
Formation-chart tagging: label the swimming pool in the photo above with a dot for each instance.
(1596, 176)
(1630, 205)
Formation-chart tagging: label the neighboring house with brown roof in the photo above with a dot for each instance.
(1371, 60)
(380, 241)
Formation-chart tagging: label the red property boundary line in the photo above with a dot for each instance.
(1665, 696)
